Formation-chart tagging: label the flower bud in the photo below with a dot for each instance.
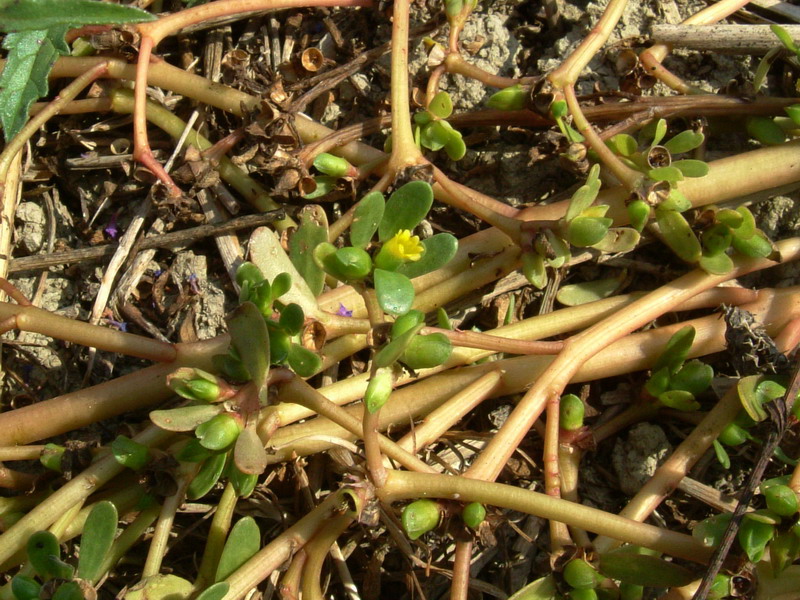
(514, 97)
(427, 351)
(581, 575)
(473, 514)
(781, 500)
(348, 264)
(379, 389)
(639, 214)
(219, 432)
(51, 457)
(196, 384)
(571, 410)
(335, 166)
(420, 517)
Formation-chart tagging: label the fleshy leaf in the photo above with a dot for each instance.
(441, 105)
(716, 264)
(98, 536)
(622, 144)
(754, 536)
(575, 294)
(313, 231)
(303, 361)
(691, 168)
(679, 400)
(541, 589)
(249, 453)
(243, 542)
(671, 174)
(642, 569)
(439, 250)
(217, 591)
(292, 319)
(584, 195)
(394, 349)
(766, 131)
(44, 555)
(694, 377)
(207, 477)
(455, 146)
(394, 290)
(44, 14)
(618, 239)
(434, 135)
(406, 207)
(366, 218)
(378, 390)
(250, 338)
(676, 350)
(684, 141)
(186, 418)
(420, 517)
(427, 351)
(678, 235)
(587, 231)
(510, 98)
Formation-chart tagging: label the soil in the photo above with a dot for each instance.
(185, 292)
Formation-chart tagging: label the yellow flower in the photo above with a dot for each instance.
(404, 246)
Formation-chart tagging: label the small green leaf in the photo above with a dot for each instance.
(684, 142)
(217, 591)
(292, 319)
(716, 239)
(658, 382)
(766, 131)
(716, 264)
(643, 569)
(734, 219)
(510, 98)
(453, 7)
(439, 250)
(420, 517)
(185, 418)
(455, 146)
(622, 144)
(325, 184)
(587, 231)
(219, 432)
(676, 350)
(534, 270)
(366, 218)
(672, 174)
(733, 435)
(348, 264)
(25, 588)
(243, 483)
(192, 451)
(207, 477)
(313, 230)
(543, 588)
(69, 590)
(249, 454)
(52, 456)
(161, 587)
(654, 132)
(691, 168)
(98, 536)
(722, 455)
(679, 400)
(441, 105)
(243, 542)
(694, 377)
(676, 201)
(406, 207)
(783, 551)
(279, 344)
(781, 499)
(584, 195)
(794, 113)
(750, 397)
(617, 240)
(403, 323)
(638, 214)
(394, 290)
(303, 361)
(379, 389)
(679, 235)
(754, 536)
(473, 515)
(281, 285)
(575, 294)
(427, 351)
(559, 109)
(580, 575)
(392, 351)
(44, 555)
(250, 338)
(758, 246)
(434, 135)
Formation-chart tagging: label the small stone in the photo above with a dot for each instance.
(636, 459)
(31, 224)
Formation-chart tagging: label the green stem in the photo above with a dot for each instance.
(317, 551)
(401, 485)
(220, 526)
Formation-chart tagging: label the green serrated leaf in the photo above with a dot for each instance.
(31, 55)
(242, 543)
(45, 14)
(366, 218)
(98, 536)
